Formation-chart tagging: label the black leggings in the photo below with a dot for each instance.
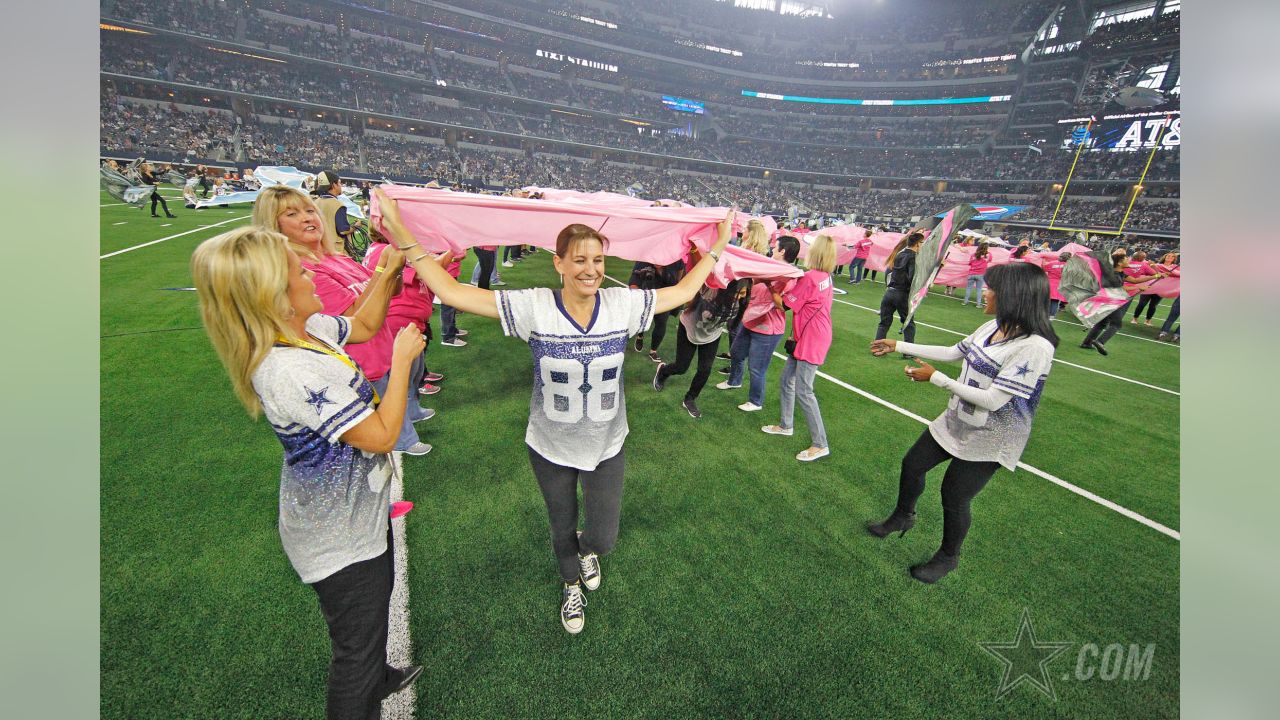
(963, 480)
(1110, 325)
(486, 258)
(601, 499)
(895, 300)
(685, 350)
(157, 197)
(660, 328)
(1149, 302)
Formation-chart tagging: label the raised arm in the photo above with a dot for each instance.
(938, 353)
(669, 298)
(474, 300)
(371, 306)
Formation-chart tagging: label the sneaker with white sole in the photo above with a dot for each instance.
(434, 377)
(508, 263)
(454, 343)
(498, 284)
(427, 414)
(659, 382)
(462, 333)
(809, 454)
(750, 407)
(726, 386)
(418, 449)
(428, 389)
(839, 291)
(777, 430)
(572, 614)
(691, 407)
(589, 564)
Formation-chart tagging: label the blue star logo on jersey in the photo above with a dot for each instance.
(318, 400)
(1023, 369)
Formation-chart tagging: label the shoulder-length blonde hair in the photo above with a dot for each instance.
(822, 254)
(755, 238)
(273, 201)
(242, 282)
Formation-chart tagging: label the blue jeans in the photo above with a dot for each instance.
(756, 351)
(448, 322)
(855, 270)
(1174, 313)
(412, 410)
(975, 282)
(797, 385)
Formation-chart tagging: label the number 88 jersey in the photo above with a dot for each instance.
(577, 416)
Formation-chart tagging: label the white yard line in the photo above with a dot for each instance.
(1055, 360)
(1033, 470)
(399, 647)
(170, 237)
(122, 222)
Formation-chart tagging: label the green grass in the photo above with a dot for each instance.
(743, 584)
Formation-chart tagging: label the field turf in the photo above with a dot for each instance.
(743, 584)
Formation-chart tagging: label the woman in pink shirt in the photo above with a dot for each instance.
(344, 286)
(763, 324)
(810, 303)
(861, 251)
(977, 268)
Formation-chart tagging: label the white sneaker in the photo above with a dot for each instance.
(454, 343)
(508, 263)
(427, 414)
(589, 565)
(839, 291)
(572, 615)
(777, 430)
(750, 407)
(418, 449)
(726, 386)
(498, 284)
(809, 454)
(462, 333)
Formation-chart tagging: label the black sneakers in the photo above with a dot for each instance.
(572, 615)
(692, 408)
(659, 382)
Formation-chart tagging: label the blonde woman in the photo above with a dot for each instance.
(810, 303)
(344, 286)
(286, 361)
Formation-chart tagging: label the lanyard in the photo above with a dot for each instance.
(327, 351)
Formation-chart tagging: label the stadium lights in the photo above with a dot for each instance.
(249, 55)
(852, 101)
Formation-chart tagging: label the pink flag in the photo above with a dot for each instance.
(740, 264)
(440, 219)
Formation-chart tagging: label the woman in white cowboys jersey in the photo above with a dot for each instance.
(988, 420)
(577, 417)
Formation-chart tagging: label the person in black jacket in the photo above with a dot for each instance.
(901, 270)
(149, 178)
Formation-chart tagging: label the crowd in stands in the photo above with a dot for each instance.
(139, 129)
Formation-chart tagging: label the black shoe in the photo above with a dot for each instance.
(653, 355)
(1099, 347)
(936, 568)
(170, 215)
(154, 215)
(409, 675)
(723, 371)
(895, 523)
(639, 343)
(723, 356)
(692, 408)
(1086, 345)
(658, 381)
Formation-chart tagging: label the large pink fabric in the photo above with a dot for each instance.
(592, 198)
(740, 264)
(440, 220)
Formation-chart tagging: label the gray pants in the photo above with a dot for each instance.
(602, 498)
(797, 384)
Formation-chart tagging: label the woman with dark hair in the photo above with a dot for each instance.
(903, 263)
(577, 418)
(647, 276)
(1148, 301)
(977, 268)
(988, 419)
(1053, 269)
(701, 325)
(1133, 279)
(1020, 254)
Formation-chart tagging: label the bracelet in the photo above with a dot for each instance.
(379, 269)
(406, 247)
(414, 260)
(715, 255)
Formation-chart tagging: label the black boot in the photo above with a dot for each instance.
(936, 568)
(896, 523)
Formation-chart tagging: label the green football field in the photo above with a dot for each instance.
(743, 584)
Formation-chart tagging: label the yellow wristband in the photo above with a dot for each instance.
(379, 269)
